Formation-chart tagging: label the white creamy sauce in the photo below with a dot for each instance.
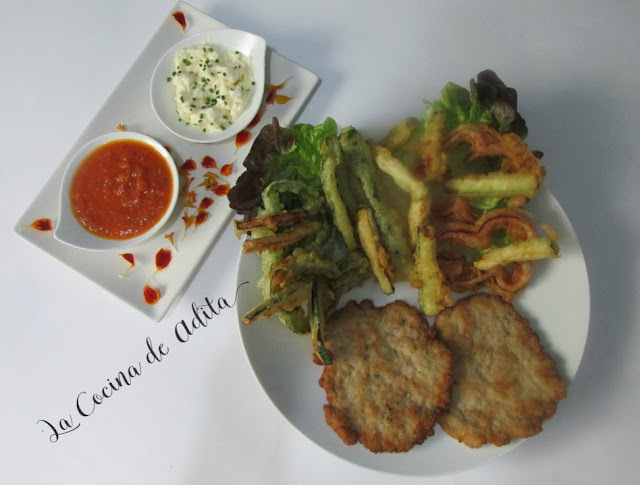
(212, 87)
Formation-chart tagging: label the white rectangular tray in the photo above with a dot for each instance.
(129, 106)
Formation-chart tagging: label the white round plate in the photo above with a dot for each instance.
(251, 45)
(69, 231)
(556, 302)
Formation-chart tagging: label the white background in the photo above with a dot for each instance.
(200, 416)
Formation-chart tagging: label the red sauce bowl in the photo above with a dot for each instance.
(117, 191)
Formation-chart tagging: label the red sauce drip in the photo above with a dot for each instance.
(208, 162)
(226, 169)
(242, 138)
(282, 99)
(187, 184)
(256, 119)
(188, 220)
(221, 189)
(151, 295)
(271, 95)
(188, 165)
(129, 258)
(163, 258)
(180, 18)
(206, 203)
(201, 216)
(42, 225)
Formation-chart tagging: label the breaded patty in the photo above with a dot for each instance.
(390, 377)
(504, 383)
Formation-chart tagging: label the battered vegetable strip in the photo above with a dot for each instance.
(420, 204)
(418, 216)
(281, 239)
(376, 253)
(287, 300)
(400, 134)
(355, 270)
(331, 152)
(434, 295)
(301, 265)
(528, 250)
(272, 221)
(495, 184)
(430, 147)
(400, 173)
(317, 323)
(357, 154)
(295, 320)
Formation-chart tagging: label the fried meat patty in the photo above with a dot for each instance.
(390, 377)
(504, 383)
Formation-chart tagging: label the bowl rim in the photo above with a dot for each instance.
(69, 231)
(162, 103)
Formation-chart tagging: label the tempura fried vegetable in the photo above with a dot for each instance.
(271, 221)
(317, 322)
(400, 134)
(434, 158)
(528, 250)
(399, 173)
(354, 270)
(495, 184)
(434, 295)
(283, 239)
(331, 152)
(302, 265)
(487, 142)
(357, 155)
(376, 253)
(420, 203)
(287, 300)
(418, 216)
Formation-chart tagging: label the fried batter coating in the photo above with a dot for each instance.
(390, 377)
(505, 384)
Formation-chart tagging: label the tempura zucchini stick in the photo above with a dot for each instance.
(527, 250)
(331, 152)
(281, 239)
(434, 295)
(317, 322)
(420, 204)
(400, 134)
(430, 147)
(375, 252)
(419, 211)
(495, 184)
(357, 154)
(272, 221)
(399, 173)
(288, 299)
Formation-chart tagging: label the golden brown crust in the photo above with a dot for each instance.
(505, 384)
(390, 377)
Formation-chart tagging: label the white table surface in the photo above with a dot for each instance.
(190, 419)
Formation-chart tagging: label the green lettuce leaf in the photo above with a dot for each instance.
(303, 161)
(488, 101)
(280, 153)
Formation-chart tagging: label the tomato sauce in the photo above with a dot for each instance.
(121, 189)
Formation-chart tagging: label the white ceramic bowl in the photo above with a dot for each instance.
(162, 92)
(69, 231)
